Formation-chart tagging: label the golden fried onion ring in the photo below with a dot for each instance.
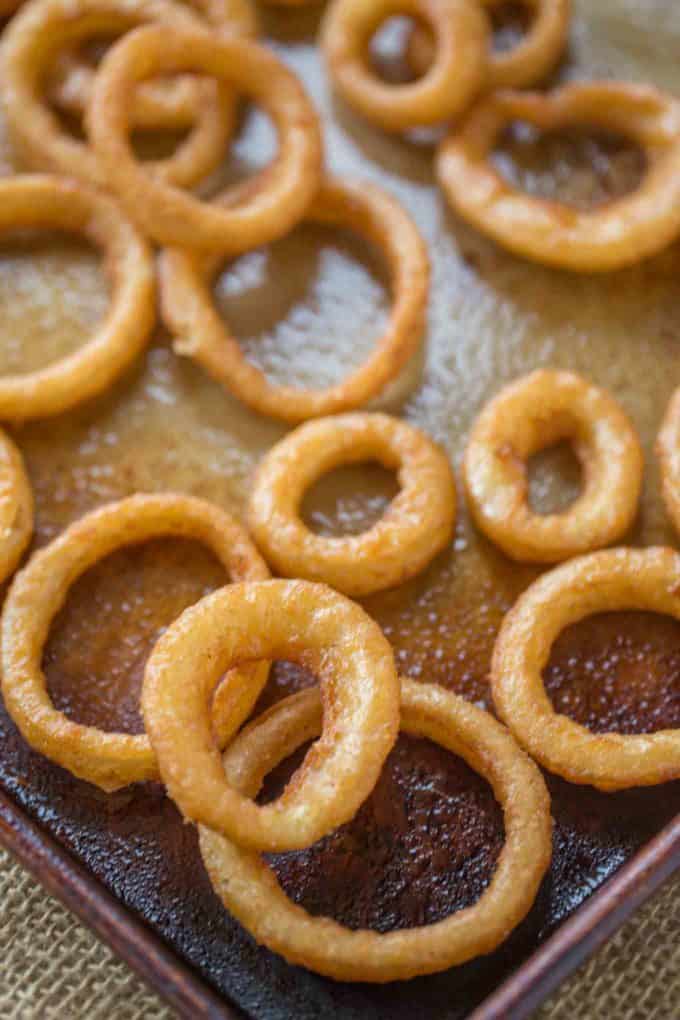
(275, 200)
(668, 452)
(618, 234)
(16, 507)
(416, 526)
(189, 311)
(31, 44)
(250, 891)
(525, 64)
(455, 77)
(607, 581)
(111, 760)
(30, 201)
(530, 414)
(295, 620)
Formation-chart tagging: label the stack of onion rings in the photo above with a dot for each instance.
(668, 452)
(251, 893)
(16, 507)
(112, 760)
(190, 314)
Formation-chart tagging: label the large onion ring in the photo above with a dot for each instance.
(16, 507)
(250, 891)
(668, 452)
(525, 64)
(275, 200)
(111, 760)
(306, 623)
(31, 43)
(458, 73)
(605, 581)
(189, 311)
(416, 526)
(529, 415)
(619, 234)
(42, 201)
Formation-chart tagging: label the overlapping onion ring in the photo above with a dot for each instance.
(607, 581)
(530, 414)
(620, 233)
(250, 891)
(271, 203)
(525, 64)
(112, 760)
(295, 620)
(416, 526)
(668, 452)
(454, 78)
(16, 507)
(31, 44)
(189, 310)
(36, 201)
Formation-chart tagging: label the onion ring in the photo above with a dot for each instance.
(607, 581)
(668, 452)
(31, 43)
(529, 415)
(190, 314)
(417, 525)
(8, 7)
(111, 760)
(275, 200)
(30, 201)
(306, 623)
(525, 64)
(16, 507)
(622, 232)
(250, 891)
(452, 82)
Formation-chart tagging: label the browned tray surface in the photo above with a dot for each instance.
(426, 841)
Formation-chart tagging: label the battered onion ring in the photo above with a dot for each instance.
(527, 416)
(111, 760)
(275, 200)
(456, 76)
(31, 43)
(250, 890)
(606, 581)
(172, 103)
(16, 507)
(668, 452)
(525, 64)
(416, 526)
(624, 231)
(189, 311)
(30, 201)
(294, 620)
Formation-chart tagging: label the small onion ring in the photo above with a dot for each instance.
(624, 231)
(30, 201)
(251, 893)
(416, 526)
(530, 414)
(31, 43)
(525, 64)
(294, 620)
(452, 82)
(16, 507)
(269, 205)
(112, 760)
(668, 452)
(189, 311)
(607, 581)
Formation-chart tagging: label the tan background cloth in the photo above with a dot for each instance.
(53, 968)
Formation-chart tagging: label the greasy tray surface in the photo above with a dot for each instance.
(425, 843)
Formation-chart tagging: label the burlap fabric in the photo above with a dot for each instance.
(54, 969)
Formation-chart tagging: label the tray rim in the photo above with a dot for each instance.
(176, 981)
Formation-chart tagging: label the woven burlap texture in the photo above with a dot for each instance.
(52, 968)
